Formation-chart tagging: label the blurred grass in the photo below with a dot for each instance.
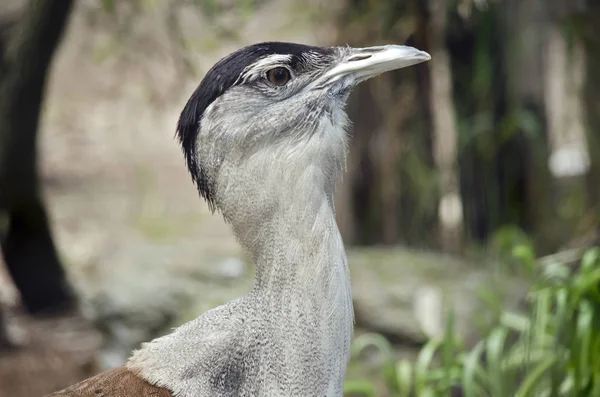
(552, 350)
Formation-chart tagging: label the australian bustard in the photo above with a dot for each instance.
(264, 137)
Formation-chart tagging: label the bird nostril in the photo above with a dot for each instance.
(359, 57)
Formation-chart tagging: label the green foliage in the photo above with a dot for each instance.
(515, 248)
(108, 6)
(554, 350)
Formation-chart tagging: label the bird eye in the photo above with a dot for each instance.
(278, 76)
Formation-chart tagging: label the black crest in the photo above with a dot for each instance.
(222, 76)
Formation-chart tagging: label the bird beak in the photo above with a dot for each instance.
(364, 63)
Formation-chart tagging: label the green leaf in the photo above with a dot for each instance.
(534, 377)
(525, 254)
(449, 341)
(515, 321)
(372, 339)
(423, 362)
(581, 350)
(542, 315)
(495, 347)
(586, 284)
(590, 258)
(522, 355)
(404, 374)
(471, 369)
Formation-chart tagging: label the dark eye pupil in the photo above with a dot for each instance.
(278, 76)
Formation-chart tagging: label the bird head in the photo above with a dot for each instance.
(272, 113)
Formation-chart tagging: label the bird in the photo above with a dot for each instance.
(265, 136)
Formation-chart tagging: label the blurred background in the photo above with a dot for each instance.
(470, 208)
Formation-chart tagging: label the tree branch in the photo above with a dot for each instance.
(26, 239)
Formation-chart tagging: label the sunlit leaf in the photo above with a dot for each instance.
(516, 321)
(590, 260)
(404, 374)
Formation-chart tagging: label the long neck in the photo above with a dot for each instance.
(299, 250)
(290, 336)
(301, 261)
(300, 258)
(302, 279)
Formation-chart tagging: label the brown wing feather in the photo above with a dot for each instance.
(118, 382)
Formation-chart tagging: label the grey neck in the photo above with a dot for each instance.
(302, 281)
(291, 335)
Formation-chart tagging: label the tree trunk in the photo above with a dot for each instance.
(588, 16)
(526, 33)
(566, 72)
(450, 210)
(25, 237)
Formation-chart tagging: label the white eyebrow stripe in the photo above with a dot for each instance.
(271, 60)
(257, 68)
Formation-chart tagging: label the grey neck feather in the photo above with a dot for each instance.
(290, 336)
